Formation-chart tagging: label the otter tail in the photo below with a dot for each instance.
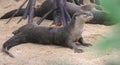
(5, 49)
(13, 41)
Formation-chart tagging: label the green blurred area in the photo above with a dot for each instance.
(113, 7)
(113, 42)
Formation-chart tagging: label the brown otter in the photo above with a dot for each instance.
(66, 36)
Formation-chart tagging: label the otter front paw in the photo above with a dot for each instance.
(78, 50)
(87, 44)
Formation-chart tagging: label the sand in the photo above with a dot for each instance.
(34, 54)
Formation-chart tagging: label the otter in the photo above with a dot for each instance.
(66, 36)
(100, 16)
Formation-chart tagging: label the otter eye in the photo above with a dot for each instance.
(87, 14)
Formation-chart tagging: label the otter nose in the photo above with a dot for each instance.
(90, 14)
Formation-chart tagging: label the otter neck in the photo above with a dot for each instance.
(75, 24)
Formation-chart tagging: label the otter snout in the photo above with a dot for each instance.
(89, 16)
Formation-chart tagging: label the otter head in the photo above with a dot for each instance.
(83, 16)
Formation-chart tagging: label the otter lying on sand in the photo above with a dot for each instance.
(66, 36)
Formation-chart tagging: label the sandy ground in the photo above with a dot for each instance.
(34, 54)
